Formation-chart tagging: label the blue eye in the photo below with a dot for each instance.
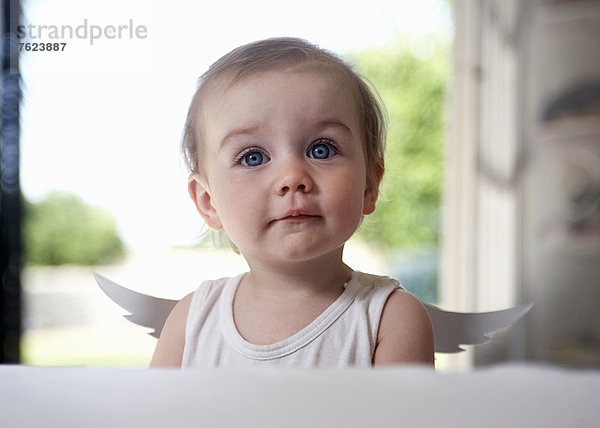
(322, 150)
(253, 158)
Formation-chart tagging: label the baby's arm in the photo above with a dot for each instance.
(405, 333)
(169, 349)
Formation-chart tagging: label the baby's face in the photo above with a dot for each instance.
(283, 165)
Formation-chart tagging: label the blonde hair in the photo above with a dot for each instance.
(286, 52)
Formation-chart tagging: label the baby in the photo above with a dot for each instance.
(284, 142)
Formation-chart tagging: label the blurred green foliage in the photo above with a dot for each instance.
(62, 229)
(413, 91)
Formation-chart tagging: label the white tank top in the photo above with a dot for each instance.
(344, 335)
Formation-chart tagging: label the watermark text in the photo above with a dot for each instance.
(85, 31)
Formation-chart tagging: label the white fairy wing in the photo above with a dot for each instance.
(450, 329)
(147, 311)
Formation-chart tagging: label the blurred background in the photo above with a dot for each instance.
(491, 195)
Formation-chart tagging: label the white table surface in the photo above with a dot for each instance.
(504, 396)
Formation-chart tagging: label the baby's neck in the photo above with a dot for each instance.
(272, 305)
(299, 279)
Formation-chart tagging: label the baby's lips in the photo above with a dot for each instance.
(296, 214)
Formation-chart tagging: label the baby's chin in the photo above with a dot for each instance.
(295, 253)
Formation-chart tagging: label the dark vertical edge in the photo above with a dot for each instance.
(10, 192)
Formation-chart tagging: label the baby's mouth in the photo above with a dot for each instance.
(299, 217)
(296, 216)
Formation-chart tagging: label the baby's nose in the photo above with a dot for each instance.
(294, 177)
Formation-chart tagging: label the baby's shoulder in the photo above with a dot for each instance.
(178, 316)
(405, 331)
(169, 349)
(184, 303)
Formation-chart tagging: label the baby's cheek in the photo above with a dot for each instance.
(349, 209)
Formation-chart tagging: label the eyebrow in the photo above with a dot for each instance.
(244, 131)
(333, 123)
(327, 123)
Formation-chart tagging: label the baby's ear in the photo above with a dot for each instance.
(200, 194)
(372, 194)
(370, 201)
